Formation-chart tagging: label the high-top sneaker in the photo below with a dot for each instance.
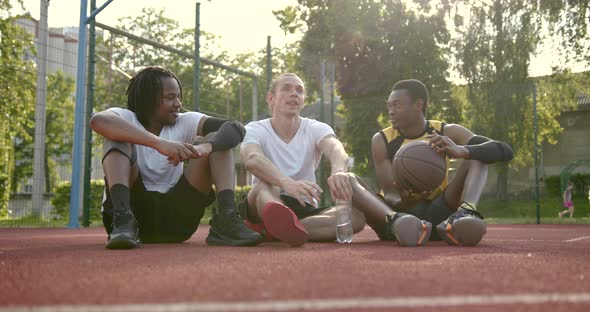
(464, 227)
(124, 233)
(407, 229)
(227, 229)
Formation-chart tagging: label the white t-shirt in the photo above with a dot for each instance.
(157, 174)
(299, 158)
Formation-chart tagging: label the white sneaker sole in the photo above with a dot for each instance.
(411, 231)
(466, 231)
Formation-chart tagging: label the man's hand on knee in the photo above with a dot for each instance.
(340, 187)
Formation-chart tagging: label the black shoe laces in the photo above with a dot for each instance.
(462, 212)
(228, 222)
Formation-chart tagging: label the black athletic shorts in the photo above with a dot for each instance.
(435, 212)
(300, 211)
(172, 217)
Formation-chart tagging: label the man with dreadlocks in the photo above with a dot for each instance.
(151, 195)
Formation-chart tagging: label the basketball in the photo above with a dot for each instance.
(417, 167)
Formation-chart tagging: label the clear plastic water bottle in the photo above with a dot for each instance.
(344, 222)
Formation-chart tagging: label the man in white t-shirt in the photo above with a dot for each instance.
(151, 195)
(282, 152)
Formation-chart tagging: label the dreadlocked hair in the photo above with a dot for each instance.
(144, 92)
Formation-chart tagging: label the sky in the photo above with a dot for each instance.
(241, 25)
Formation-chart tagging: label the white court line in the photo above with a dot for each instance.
(539, 240)
(500, 228)
(321, 304)
(576, 239)
(523, 240)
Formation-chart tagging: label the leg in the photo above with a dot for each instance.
(406, 229)
(198, 174)
(373, 207)
(322, 227)
(467, 185)
(261, 194)
(466, 226)
(277, 220)
(120, 171)
(227, 227)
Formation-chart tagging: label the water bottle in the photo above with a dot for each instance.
(344, 221)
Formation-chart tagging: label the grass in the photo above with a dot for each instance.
(30, 221)
(495, 211)
(524, 211)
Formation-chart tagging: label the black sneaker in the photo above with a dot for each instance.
(243, 210)
(464, 227)
(125, 233)
(407, 229)
(228, 229)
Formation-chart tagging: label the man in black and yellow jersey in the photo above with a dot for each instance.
(407, 217)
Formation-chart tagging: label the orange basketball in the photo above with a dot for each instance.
(417, 167)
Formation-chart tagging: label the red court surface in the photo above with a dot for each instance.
(515, 268)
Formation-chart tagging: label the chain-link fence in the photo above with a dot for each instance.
(520, 191)
(552, 111)
(225, 91)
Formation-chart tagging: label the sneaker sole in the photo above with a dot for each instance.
(411, 231)
(464, 231)
(122, 242)
(260, 229)
(232, 242)
(282, 224)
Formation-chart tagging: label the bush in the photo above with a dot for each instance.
(61, 200)
(552, 185)
(581, 183)
(241, 191)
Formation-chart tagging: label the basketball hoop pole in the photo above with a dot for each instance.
(76, 196)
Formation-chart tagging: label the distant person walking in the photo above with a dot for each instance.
(567, 200)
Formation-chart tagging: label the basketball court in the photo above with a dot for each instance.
(515, 267)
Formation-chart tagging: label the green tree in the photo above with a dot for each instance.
(567, 21)
(373, 44)
(120, 57)
(16, 94)
(493, 49)
(59, 125)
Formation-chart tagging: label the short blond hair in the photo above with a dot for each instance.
(275, 81)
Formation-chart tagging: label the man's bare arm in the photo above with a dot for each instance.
(259, 165)
(338, 182)
(384, 170)
(460, 142)
(113, 127)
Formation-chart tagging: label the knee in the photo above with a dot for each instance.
(353, 178)
(261, 187)
(117, 155)
(109, 147)
(223, 156)
(262, 191)
(357, 183)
